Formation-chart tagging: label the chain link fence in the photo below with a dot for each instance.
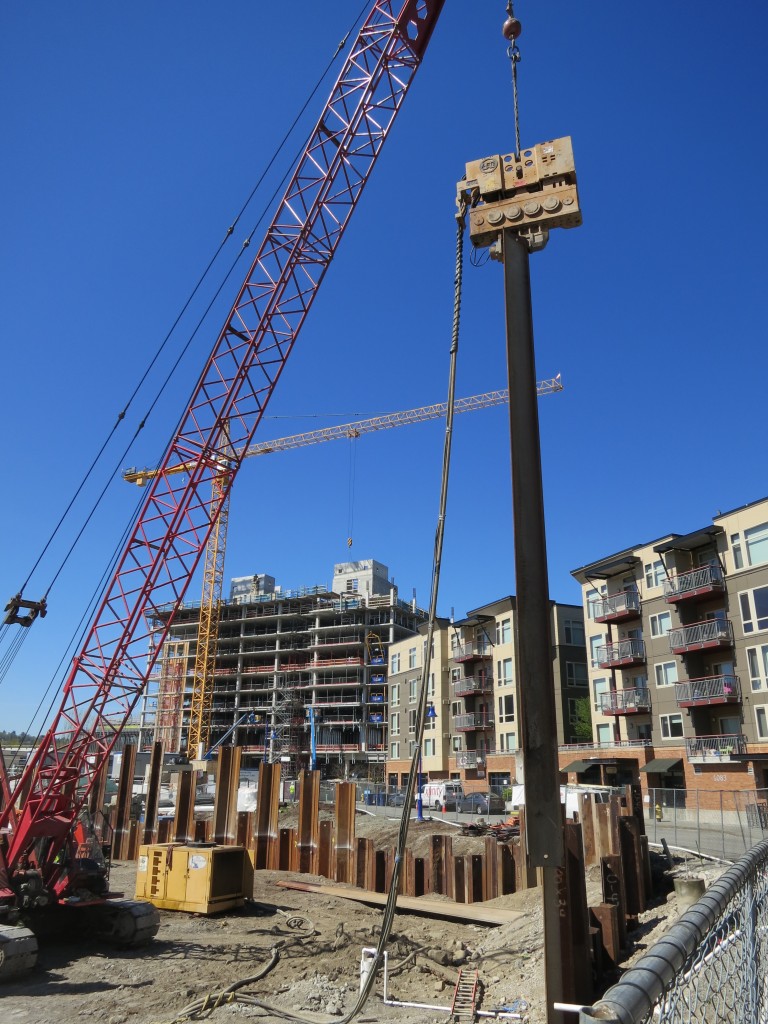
(712, 965)
(722, 824)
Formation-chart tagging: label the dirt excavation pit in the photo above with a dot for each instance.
(317, 970)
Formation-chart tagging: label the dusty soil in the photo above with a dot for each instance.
(316, 975)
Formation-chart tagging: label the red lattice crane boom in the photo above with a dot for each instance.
(109, 674)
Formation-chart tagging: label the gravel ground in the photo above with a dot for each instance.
(314, 974)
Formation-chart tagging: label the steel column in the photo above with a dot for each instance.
(544, 823)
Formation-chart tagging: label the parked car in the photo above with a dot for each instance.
(395, 798)
(481, 803)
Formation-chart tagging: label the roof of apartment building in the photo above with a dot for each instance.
(486, 611)
(624, 560)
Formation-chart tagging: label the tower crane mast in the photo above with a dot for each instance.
(39, 863)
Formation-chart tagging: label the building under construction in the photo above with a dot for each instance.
(300, 676)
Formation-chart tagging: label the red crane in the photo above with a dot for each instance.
(40, 863)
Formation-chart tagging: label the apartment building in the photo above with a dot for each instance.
(301, 675)
(473, 730)
(678, 674)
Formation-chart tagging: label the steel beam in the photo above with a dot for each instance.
(149, 832)
(267, 808)
(124, 796)
(533, 647)
(345, 832)
(309, 821)
(225, 800)
(184, 818)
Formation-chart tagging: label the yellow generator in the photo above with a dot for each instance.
(199, 878)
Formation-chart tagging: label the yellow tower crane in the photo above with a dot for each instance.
(213, 568)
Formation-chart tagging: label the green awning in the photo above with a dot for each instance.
(661, 764)
(577, 766)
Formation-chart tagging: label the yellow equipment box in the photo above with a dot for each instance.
(200, 879)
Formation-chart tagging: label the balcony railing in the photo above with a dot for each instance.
(625, 652)
(700, 636)
(469, 759)
(618, 607)
(708, 690)
(707, 579)
(468, 723)
(472, 684)
(608, 745)
(715, 749)
(626, 702)
(466, 652)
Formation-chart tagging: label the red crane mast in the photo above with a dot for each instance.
(108, 676)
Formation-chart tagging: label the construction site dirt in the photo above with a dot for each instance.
(313, 943)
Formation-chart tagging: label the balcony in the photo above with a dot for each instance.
(708, 690)
(701, 582)
(626, 702)
(469, 759)
(472, 685)
(619, 607)
(626, 652)
(701, 636)
(470, 723)
(468, 652)
(714, 749)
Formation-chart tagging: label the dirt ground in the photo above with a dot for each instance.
(317, 964)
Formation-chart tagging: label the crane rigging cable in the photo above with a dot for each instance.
(148, 369)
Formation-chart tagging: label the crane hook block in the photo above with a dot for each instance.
(511, 29)
(530, 192)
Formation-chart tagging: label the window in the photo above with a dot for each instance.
(594, 643)
(507, 708)
(654, 573)
(754, 609)
(756, 541)
(431, 685)
(429, 724)
(504, 631)
(394, 751)
(576, 673)
(671, 726)
(757, 659)
(666, 673)
(456, 743)
(412, 720)
(574, 631)
(429, 748)
(394, 693)
(604, 734)
(411, 657)
(573, 710)
(761, 717)
(394, 723)
(661, 624)
(413, 689)
(594, 601)
(395, 662)
(352, 586)
(508, 741)
(738, 558)
(504, 672)
(600, 687)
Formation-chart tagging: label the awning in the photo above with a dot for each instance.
(690, 541)
(743, 758)
(578, 766)
(604, 570)
(661, 764)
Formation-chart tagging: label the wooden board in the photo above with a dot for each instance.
(475, 913)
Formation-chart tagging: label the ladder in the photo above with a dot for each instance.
(465, 996)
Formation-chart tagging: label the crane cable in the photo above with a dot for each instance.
(511, 31)
(122, 414)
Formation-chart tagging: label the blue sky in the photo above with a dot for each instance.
(132, 135)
